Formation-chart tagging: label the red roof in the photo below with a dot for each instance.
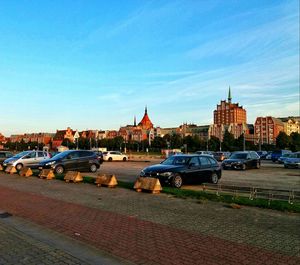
(146, 123)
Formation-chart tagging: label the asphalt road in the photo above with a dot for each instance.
(270, 175)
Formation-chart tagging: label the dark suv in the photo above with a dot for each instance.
(80, 160)
(242, 160)
(184, 169)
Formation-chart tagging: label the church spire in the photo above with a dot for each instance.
(229, 95)
(134, 123)
(146, 109)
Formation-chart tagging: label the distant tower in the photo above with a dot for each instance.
(146, 123)
(229, 95)
(134, 123)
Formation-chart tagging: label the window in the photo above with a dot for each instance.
(194, 161)
(204, 161)
(85, 153)
(2, 155)
(40, 154)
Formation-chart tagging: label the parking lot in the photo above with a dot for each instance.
(270, 175)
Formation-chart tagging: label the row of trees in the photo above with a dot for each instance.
(175, 141)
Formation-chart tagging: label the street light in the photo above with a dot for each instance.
(244, 141)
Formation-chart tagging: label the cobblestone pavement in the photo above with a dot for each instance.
(149, 229)
(19, 248)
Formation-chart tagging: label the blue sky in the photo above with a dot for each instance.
(95, 64)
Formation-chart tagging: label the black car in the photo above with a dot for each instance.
(185, 169)
(242, 160)
(72, 160)
(4, 155)
(99, 155)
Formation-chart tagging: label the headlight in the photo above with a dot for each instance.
(50, 163)
(142, 174)
(166, 174)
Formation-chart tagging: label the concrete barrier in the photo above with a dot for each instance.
(148, 184)
(106, 180)
(25, 172)
(73, 176)
(10, 170)
(47, 174)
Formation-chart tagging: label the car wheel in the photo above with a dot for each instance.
(214, 178)
(19, 167)
(244, 167)
(93, 168)
(124, 159)
(257, 165)
(110, 159)
(59, 170)
(177, 181)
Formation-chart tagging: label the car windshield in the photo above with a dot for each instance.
(21, 154)
(239, 156)
(176, 160)
(286, 155)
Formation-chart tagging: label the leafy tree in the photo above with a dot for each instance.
(214, 143)
(295, 141)
(282, 140)
(228, 142)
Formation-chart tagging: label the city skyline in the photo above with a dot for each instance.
(95, 66)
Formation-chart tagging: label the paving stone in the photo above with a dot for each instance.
(132, 225)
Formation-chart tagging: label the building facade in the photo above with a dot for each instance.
(229, 116)
(291, 124)
(266, 129)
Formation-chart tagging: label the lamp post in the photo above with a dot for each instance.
(244, 141)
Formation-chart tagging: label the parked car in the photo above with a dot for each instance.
(114, 156)
(4, 155)
(220, 156)
(210, 153)
(99, 155)
(278, 153)
(242, 160)
(26, 158)
(293, 161)
(269, 155)
(184, 169)
(283, 158)
(79, 160)
(262, 154)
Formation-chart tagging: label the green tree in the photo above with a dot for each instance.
(228, 143)
(214, 143)
(282, 140)
(295, 142)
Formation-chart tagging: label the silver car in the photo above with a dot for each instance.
(27, 158)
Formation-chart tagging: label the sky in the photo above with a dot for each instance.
(97, 64)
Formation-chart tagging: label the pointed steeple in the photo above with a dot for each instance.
(146, 109)
(229, 95)
(134, 123)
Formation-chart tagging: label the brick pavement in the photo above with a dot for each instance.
(19, 248)
(128, 236)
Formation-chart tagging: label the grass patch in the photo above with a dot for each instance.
(202, 196)
(258, 202)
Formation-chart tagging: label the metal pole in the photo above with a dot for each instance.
(244, 141)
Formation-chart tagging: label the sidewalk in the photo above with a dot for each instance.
(149, 229)
(23, 242)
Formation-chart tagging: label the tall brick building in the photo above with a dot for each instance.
(266, 129)
(229, 116)
(228, 112)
